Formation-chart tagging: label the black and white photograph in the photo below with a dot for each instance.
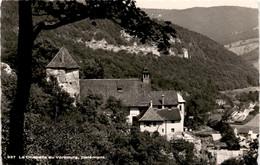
(129, 82)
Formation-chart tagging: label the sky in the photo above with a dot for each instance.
(183, 4)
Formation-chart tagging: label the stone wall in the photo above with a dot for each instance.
(222, 155)
(68, 80)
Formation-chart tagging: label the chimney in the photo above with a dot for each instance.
(162, 101)
(151, 104)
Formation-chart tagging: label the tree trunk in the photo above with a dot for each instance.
(25, 43)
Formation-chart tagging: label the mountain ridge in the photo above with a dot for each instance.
(208, 19)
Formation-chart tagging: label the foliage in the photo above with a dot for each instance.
(53, 126)
(232, 161)
(8, 84)
(184, 153)
(197, 106)
(248, 97)
(255, 111)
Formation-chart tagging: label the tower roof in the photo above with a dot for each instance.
(63, 60)
(145, 70)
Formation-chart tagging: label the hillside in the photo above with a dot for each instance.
(210, 66)
(224, 24)
(252, 57)
(247, 49)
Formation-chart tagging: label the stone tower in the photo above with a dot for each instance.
(66, 70)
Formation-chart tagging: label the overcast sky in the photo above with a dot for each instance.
(183, 4)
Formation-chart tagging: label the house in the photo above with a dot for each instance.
(166, 121)
(247, 132)
(136, 94)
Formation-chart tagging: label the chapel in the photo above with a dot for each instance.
(161, 111)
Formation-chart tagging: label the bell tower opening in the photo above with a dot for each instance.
(146, 76)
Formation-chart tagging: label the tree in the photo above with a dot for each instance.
(183, 151)
(228, 135)
(54, 14)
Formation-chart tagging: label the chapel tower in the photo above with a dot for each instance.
(66, 70)
(146, 76)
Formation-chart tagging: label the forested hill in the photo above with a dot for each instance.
(210, 66)
(224, 24)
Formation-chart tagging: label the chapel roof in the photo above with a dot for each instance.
(170, 97)
(63, 60)
(130, 91)
(154, 114)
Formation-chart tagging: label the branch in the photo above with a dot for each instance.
(40, 14)
(47, 26)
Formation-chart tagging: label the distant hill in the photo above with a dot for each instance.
(210, 67)
(234, 27)
(224, 24)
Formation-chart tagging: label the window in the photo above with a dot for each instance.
(119, 89)
(147, 124)
(172, 121)
(162, 130)
(172, 129)
(154, 123)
